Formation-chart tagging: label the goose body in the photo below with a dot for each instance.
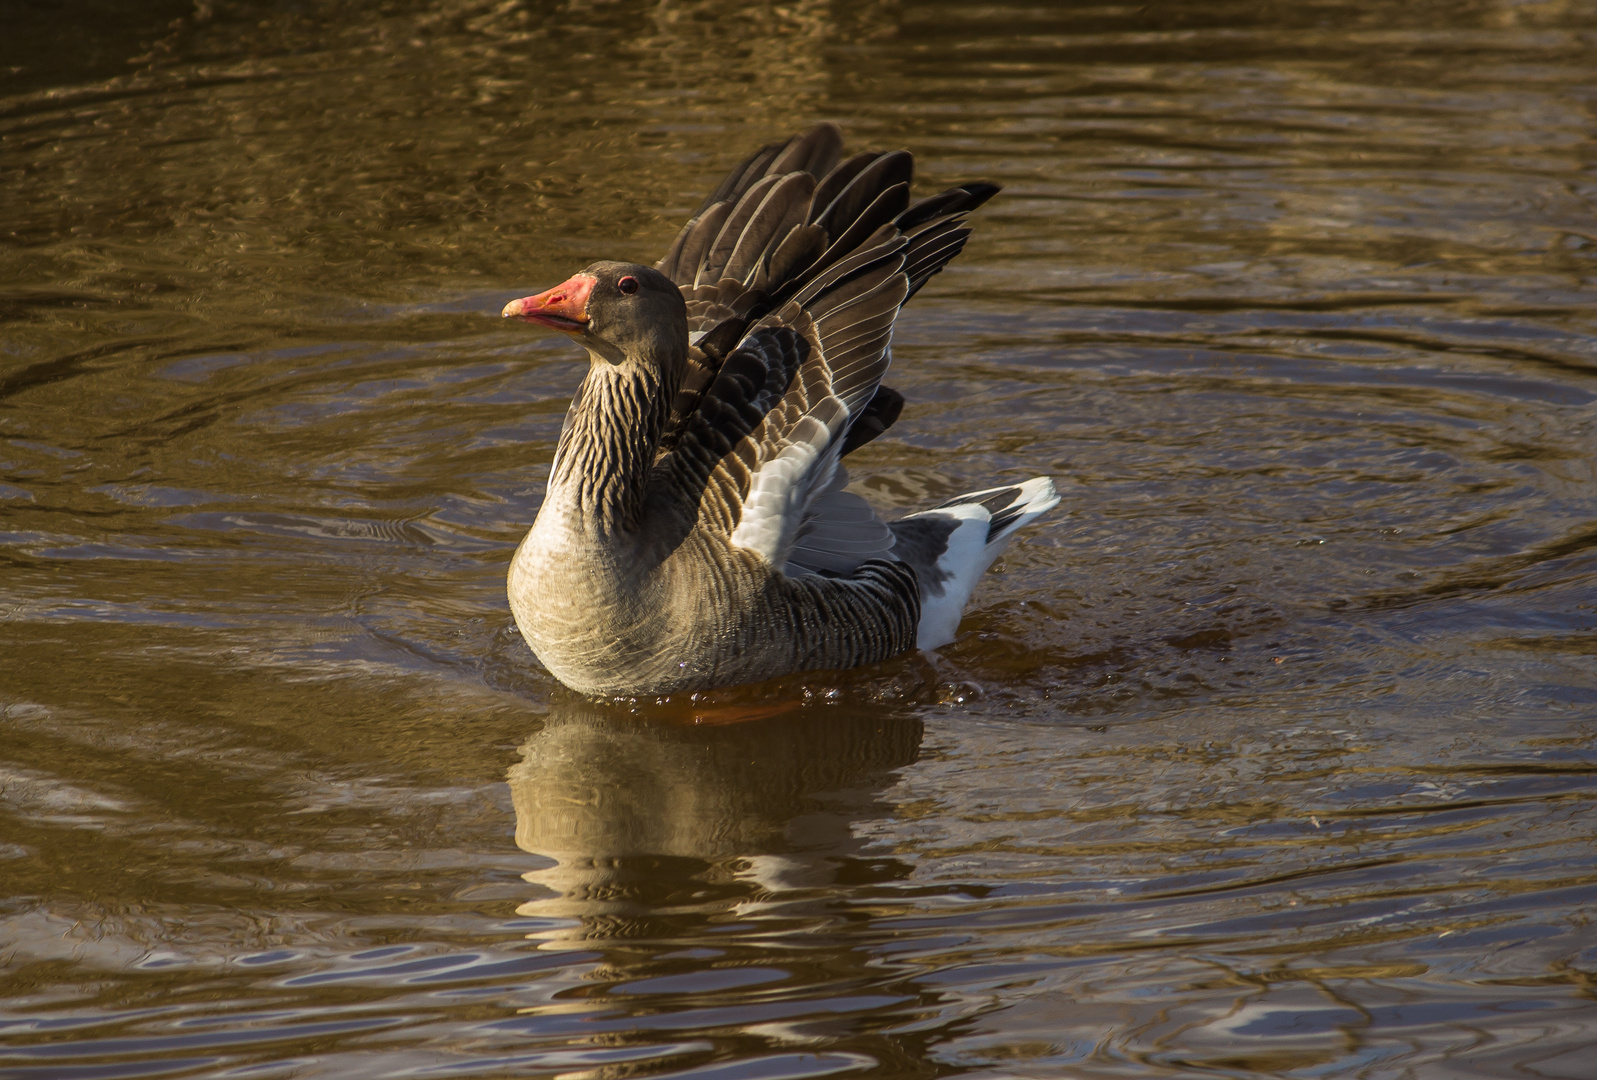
(696, 531)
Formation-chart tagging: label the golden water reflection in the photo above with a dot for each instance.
(632, 810)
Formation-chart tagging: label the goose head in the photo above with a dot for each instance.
(619, 311)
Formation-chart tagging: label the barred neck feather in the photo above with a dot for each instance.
(602, 462)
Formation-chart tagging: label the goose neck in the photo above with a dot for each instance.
(603, 459)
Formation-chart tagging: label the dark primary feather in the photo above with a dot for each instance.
(791, 210)
(879, 415)
(779, 211)
(837, 181)
(814, 151)
(873, 198)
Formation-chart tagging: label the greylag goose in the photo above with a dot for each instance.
(696, 532)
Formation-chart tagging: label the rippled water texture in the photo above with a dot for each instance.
(1270, 754)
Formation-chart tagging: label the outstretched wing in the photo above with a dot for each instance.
(794, 270)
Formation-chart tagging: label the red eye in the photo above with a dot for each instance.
(628, 285)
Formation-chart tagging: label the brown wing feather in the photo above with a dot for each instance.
(782, 209)
(794, 270)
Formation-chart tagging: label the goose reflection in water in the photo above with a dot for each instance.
(721, 879)
(661, 827)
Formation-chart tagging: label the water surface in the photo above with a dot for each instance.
(1271, 754)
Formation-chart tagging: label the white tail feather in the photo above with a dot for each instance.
(971, 550)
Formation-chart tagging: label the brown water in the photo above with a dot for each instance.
(1273, 753)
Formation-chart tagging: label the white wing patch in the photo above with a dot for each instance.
(776, 498)
(797, 515)
(787, 488)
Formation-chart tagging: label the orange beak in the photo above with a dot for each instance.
(563, 307)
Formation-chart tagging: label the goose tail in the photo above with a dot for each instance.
(953, 544)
